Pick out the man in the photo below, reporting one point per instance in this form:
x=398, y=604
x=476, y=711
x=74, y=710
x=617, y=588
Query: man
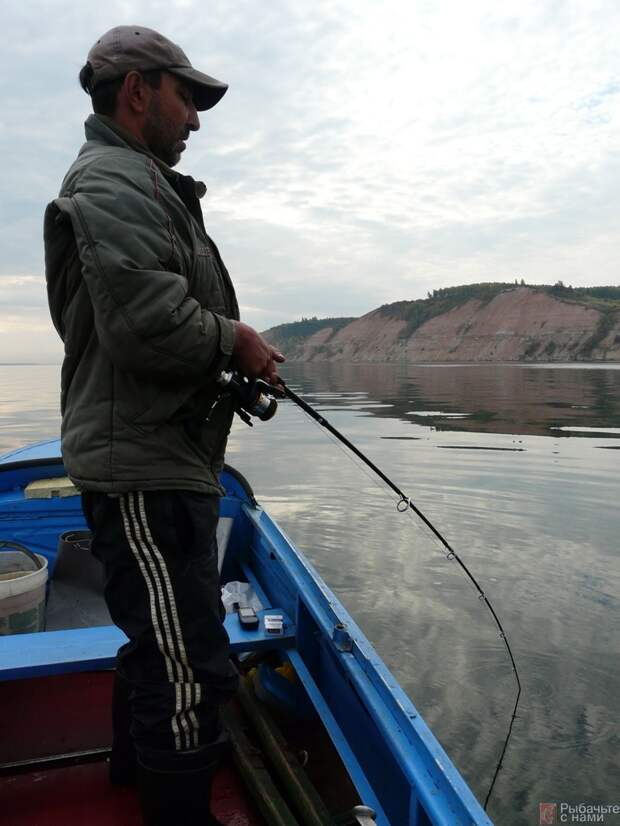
x=148, y=315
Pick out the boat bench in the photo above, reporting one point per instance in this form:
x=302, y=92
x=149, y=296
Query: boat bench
x=90, y=649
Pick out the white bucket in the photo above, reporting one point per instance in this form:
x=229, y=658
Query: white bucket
x=22, y=592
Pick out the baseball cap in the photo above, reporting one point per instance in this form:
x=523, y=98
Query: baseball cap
x=135, y=48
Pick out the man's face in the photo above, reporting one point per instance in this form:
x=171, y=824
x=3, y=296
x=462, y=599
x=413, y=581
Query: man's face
x=170, y=117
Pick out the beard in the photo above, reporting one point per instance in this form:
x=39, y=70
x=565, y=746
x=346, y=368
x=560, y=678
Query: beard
x=161, y=135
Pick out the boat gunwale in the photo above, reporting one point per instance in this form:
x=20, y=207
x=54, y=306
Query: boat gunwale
x=407, y=732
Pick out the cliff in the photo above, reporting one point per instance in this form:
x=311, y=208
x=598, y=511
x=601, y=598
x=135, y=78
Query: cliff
x=477, y=323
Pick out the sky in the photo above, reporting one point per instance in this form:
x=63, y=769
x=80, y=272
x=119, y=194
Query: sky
x=366, y=152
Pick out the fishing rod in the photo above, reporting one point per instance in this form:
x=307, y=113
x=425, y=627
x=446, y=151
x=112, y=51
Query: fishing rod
x=405, y=503
x=256, y=398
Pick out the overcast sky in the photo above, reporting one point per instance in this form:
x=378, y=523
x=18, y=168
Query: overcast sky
x=366, y=151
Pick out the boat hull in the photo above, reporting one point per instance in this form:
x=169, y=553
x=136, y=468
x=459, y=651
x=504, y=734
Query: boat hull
x=392, y=758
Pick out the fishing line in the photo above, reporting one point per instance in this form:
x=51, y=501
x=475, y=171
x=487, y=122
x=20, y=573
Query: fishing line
x=370, y=476
x=353, y=459
x=405, y=504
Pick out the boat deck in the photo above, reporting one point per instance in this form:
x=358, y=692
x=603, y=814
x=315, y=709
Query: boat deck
x=71, y=715
x=82, y=795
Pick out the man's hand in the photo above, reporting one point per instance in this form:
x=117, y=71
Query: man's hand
x=253, y=356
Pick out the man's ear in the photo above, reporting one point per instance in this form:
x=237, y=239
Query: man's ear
x=135, y=93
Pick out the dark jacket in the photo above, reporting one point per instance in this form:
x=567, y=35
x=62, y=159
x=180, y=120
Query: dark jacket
x=143, y=302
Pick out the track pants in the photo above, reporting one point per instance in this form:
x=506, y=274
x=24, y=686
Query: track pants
x=162, y=589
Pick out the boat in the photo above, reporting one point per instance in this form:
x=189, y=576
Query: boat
x=321, y=733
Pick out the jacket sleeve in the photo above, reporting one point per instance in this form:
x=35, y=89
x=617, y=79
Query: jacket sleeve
x=144, y=317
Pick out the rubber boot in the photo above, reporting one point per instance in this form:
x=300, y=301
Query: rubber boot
x=176, y=798
x=123, y=762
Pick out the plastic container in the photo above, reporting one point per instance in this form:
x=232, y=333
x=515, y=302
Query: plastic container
x=241, y=593
x=23, y=576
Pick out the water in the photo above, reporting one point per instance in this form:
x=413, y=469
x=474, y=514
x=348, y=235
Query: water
x=517, y=466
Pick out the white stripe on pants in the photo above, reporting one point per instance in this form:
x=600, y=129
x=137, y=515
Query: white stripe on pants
x=164, y=618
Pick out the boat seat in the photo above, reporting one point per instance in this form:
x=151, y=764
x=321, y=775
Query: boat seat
x=90, y=649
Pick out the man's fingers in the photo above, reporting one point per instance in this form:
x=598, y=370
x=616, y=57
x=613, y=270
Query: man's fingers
x=276, y=388
x=253, y=356
x=271, y=374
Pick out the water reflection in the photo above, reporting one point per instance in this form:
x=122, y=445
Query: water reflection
x=532, y=510
x=29, y=404
x=513, y=399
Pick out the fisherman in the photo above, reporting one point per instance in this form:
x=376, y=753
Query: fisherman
x=147, y=312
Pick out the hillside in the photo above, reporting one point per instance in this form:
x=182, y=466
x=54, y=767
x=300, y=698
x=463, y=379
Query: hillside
x=473, y=323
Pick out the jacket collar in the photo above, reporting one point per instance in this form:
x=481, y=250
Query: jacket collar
x=105, y=130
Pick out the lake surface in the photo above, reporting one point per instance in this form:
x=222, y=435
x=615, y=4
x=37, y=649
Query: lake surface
x=518, y=468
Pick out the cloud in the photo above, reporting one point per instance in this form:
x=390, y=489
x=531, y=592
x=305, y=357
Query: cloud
x=26, y=332
x=365, y=152
x=22, y=293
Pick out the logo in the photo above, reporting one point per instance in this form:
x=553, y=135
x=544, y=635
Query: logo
x=547, y=813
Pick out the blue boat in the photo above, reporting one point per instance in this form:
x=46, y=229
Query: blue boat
x=318, y=668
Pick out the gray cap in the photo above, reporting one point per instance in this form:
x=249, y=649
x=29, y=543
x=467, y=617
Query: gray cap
x=136, y=48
